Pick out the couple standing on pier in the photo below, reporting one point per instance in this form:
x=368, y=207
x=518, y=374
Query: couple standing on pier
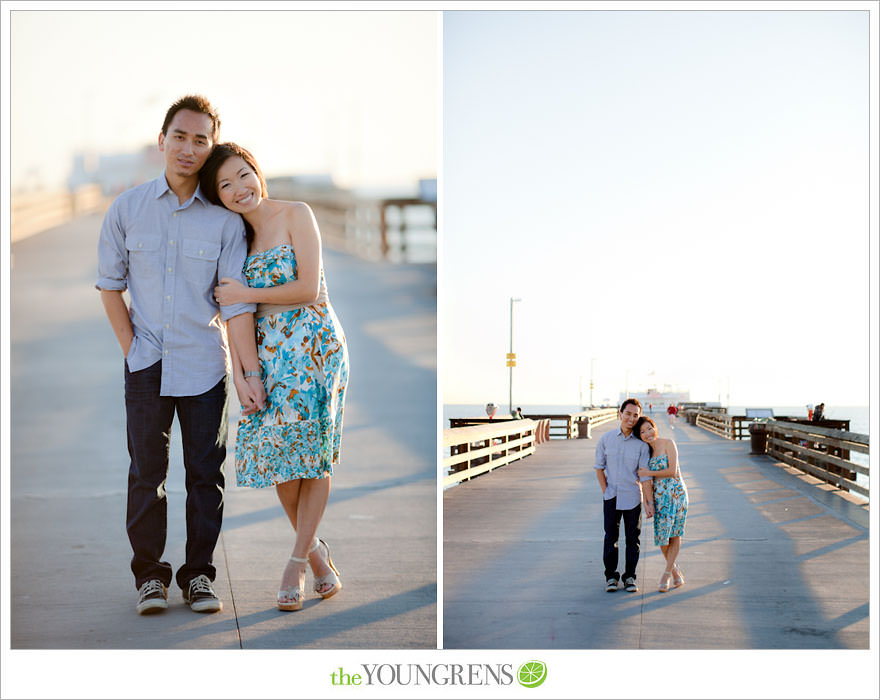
x=635, y=466
x=199, y=247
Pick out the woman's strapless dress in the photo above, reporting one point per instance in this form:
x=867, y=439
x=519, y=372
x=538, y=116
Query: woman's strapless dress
x=670, y=503
x=304, y=366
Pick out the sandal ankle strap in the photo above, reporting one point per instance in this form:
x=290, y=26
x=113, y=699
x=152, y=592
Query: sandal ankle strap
x=299, y=560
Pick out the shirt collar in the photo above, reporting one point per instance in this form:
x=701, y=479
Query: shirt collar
x=201, y=196
x=161, y=186
x=620, y=432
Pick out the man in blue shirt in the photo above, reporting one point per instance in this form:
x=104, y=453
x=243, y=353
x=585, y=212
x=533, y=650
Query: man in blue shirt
x=167, y=245
x=619, y=456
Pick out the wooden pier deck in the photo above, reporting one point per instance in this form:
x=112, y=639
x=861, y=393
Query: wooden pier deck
x=772, y=560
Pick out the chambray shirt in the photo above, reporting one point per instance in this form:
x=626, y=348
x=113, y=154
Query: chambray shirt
x=169, y=256
x=621, y=457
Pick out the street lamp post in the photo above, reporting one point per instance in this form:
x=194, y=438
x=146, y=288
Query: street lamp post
x=592, y=375
x=511, y=358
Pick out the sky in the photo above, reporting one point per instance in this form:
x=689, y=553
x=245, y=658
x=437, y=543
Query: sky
x=678, y=198
x=348, y=93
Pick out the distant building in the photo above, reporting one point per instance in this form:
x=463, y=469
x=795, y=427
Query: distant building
x=657, y=398
x=115, y=172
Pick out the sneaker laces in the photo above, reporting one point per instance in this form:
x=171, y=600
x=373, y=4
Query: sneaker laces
x=150, y=587
x=200, y=584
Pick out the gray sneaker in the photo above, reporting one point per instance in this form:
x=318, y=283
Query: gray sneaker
x=200, y=595
x=611, y=585
x=630, y=584
x=152, y=597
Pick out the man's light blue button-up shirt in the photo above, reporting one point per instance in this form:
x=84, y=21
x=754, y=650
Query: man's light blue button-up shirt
x=170, y=256
x=621, y=456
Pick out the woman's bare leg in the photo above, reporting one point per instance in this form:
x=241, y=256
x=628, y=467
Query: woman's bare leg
x=672, y=552
x=289, y=493
x=304, y=501
x=665, y=549
x=313, y=500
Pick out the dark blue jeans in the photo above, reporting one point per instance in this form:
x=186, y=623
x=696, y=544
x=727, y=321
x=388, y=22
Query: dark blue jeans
x=203, y=425
x=632, y=527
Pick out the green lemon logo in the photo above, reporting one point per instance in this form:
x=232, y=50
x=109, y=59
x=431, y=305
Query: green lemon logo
x=532, y=673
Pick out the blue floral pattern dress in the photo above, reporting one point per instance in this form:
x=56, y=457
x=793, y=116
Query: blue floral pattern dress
x=304, y=367
x=670, y=503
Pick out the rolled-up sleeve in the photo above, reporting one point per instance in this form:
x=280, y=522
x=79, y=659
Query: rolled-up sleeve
x=233, y=251
x=644, y=458
x=600, y=455
x=112, y=255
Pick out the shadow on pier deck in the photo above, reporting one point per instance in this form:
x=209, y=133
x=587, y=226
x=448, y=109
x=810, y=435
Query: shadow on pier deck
x=772, y=560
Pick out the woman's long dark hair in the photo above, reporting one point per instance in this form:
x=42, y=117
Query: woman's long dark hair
x=208, y=177
x=637, y=430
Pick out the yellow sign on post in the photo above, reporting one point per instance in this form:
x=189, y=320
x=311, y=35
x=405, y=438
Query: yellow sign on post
x=511, y=356
x=511, y=363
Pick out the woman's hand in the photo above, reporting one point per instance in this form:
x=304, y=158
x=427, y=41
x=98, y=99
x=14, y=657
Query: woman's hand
x=231, y=291
x=645, y=472
x=251, y=394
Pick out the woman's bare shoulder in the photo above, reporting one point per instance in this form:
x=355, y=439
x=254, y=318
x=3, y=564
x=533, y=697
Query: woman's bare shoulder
x=291, y=209
x=667, y=445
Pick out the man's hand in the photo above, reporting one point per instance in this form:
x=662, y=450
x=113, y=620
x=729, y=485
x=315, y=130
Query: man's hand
x=649, y=509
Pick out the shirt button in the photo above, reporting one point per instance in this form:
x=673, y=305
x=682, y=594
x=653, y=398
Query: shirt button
x=169, y=269
x=201, y=252
x=170, y=242
x=140, y=245
x=168, y=298
x=167, y=325
x=166, y=352
x=174, y=214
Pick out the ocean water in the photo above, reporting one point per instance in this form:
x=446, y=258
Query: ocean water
x=858, y=417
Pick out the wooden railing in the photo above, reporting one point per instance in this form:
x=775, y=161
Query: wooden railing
x=39, y=211
x=598, y=416
x=477, y=449
x=822, y=452
x=567, y=426
x=727, y=426
x=737, y=427
x=396, y=230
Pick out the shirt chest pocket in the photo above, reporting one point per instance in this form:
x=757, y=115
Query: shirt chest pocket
x=200, y=262
x=144, y=256
x=612, y=456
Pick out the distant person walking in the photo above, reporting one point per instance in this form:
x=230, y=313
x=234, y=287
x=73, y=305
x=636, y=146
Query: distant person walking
x=294, y=443
x=670, y=499
x=819, y=413
x=168, y=245
x=619, y=456
x=671, y=412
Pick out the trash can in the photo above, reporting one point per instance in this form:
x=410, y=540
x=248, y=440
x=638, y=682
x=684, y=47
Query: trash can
x=584, y=429
x=758, y=437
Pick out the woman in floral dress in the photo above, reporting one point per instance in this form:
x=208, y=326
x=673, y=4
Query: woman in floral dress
x=293, y=443
x=670, y=499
